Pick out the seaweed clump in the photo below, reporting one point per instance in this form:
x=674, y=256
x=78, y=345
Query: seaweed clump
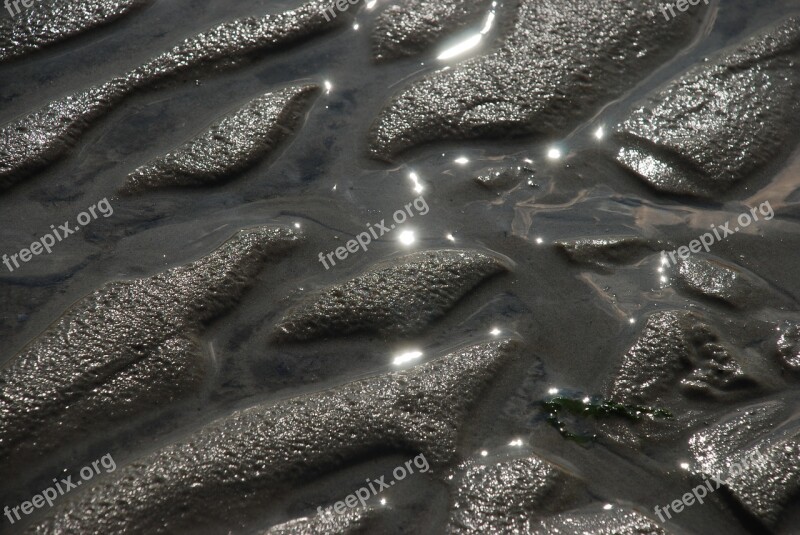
x=595, y=408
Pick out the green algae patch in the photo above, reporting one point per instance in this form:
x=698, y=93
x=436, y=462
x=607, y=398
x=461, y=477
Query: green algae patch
x=594, y=408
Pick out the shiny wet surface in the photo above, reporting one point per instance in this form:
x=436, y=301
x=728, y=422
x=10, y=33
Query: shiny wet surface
x=576, y=324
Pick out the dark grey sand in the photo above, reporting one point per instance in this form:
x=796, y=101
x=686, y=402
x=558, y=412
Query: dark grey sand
x=604, y=253
x=563, y=59
x=36, y=140
x=230, y=146
x=53, y=21
x=504, y=496
x=263, y=448
x=601, y=522
x=746, y=98
x=350, y=522
x=754, y=452
x=404, y=298
x=150, y=334
x=124, y=349
x=410, y=27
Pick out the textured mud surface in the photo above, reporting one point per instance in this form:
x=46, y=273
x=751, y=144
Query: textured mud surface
x=617, y=522
x=725, y=282
x=604, y=253
x=57, y=20
x=402, y=299
x=504, y=497
x=124, y=349
x=513, y=266
x=562, y=61
x=746, y=99
x=679, y=352
x=38, y=139
x=412, y=26
x=420, y=410
x=321, y=524
x=231, y=145
x=763, y=475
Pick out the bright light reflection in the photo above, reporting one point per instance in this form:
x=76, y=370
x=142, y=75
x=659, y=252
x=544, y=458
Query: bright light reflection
x=539, y=241
x=405, y=358
x=415, y=179
x=600, y=133
x=356, y=26
x=664, y=279
x=407, y=237
x=460, y=48
x=371, y=4
x=516, y=442
x=487, y=26
x=685, y=466
x=462, y=160
x=495, y=331
x=586, y=400
x=328, y=86
x=450, y=237
x=472, y=41
x=608, y=507
x=553, y=391
x=383, y=501
x=484, y=453
x=631, y=320
x=554, y=153
x=297, y=225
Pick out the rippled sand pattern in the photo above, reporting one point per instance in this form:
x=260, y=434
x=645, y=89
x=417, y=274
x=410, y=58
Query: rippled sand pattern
x=468, y=267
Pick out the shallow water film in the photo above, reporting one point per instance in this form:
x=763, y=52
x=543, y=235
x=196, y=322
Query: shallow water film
x=400, y=266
